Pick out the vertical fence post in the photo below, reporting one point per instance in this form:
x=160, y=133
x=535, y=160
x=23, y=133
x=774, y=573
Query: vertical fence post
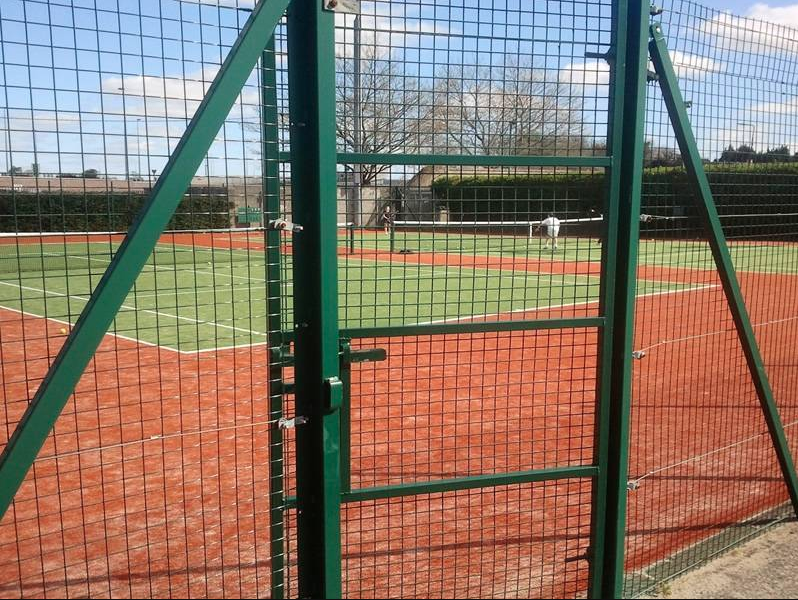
x=677, y=111
x=270, y=168
x=628, y=58
x=311, y=47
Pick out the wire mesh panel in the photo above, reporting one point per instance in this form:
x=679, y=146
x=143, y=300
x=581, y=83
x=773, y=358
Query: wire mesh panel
x=704, y=473
x=155, y=481
x=474, y=268
x=531, y=542
x=460, y=241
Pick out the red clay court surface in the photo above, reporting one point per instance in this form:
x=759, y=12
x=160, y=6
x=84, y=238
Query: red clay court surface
x=176, y=501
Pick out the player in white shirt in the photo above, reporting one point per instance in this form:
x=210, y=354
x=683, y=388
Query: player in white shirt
x=551, y=230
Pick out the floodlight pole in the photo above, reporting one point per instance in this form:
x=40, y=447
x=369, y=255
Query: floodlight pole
x=357, y=129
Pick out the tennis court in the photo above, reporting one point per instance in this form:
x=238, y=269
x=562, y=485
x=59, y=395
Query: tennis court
x=196, y=291
x=191, y=313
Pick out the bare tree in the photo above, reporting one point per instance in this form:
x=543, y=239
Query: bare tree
x=392, y=107
x=506, y=110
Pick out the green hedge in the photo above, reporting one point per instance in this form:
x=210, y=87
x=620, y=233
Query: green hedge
x=53, y=212
x=517, y=198
x=739, y=189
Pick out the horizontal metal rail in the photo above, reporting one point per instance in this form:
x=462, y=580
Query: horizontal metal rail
x=472, y=327
x=356, y=158
x=464, y=483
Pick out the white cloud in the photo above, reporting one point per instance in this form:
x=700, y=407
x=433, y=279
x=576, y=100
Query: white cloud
x=788, y=107
x=692, y=66
x=597, y=73
x=592, y=73
x=755, y=33
x=783, y=15
x=381, y=35
x=171, y=97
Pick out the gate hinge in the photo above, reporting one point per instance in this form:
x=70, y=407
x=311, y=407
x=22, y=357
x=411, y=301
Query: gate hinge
x=282, y=356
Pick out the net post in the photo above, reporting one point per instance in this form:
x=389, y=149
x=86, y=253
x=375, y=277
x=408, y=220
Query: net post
x=628, y=65
x=392, y=238
x=318, y=391
x=677, y=112
x=351, y=236
x=106, y=300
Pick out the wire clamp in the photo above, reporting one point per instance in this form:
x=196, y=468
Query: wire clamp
x=285, y=423
x=638, y=354
x=344, y=6
x=633, y=486
x=655, y=10
x=283, y=225
x=652, y=76
x=644, y=218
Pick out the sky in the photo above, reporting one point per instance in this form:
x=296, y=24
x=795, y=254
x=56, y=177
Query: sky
x=111, y=84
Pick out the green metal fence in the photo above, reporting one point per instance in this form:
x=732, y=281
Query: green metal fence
x=483, y=335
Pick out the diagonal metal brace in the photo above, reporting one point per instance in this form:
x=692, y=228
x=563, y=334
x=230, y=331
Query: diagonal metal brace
x=98, y=314
x=674, y=101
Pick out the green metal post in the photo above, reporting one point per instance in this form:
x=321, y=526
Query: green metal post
x=311, y=46
x=625, y=138
x=270, y=168
x=346, y=416
x=677, y=111
x=392, y=238
x=116, y=283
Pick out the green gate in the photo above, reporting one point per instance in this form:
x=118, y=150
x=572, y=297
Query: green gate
x=424, y=360
x=448, y=397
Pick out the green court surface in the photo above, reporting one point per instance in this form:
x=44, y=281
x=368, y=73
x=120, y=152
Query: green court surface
x=194, y=299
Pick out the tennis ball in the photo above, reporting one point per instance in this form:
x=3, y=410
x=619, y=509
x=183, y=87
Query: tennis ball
x=63, y=331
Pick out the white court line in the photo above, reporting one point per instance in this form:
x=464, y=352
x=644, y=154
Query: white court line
x=135, y=309
x=265, y=334
x=172, y=269
x=70, y=325
x=715, y=333
x=488, y=271
x=554, y=306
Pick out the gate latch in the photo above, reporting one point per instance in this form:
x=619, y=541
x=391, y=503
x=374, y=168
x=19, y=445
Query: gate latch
x=349, y=356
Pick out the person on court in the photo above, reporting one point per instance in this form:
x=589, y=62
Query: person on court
x=551, y=230
x=386, y=219
x=595, y=214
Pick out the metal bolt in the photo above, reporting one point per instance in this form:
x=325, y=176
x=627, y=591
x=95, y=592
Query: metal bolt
x=332, y=3
x=638, y=354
